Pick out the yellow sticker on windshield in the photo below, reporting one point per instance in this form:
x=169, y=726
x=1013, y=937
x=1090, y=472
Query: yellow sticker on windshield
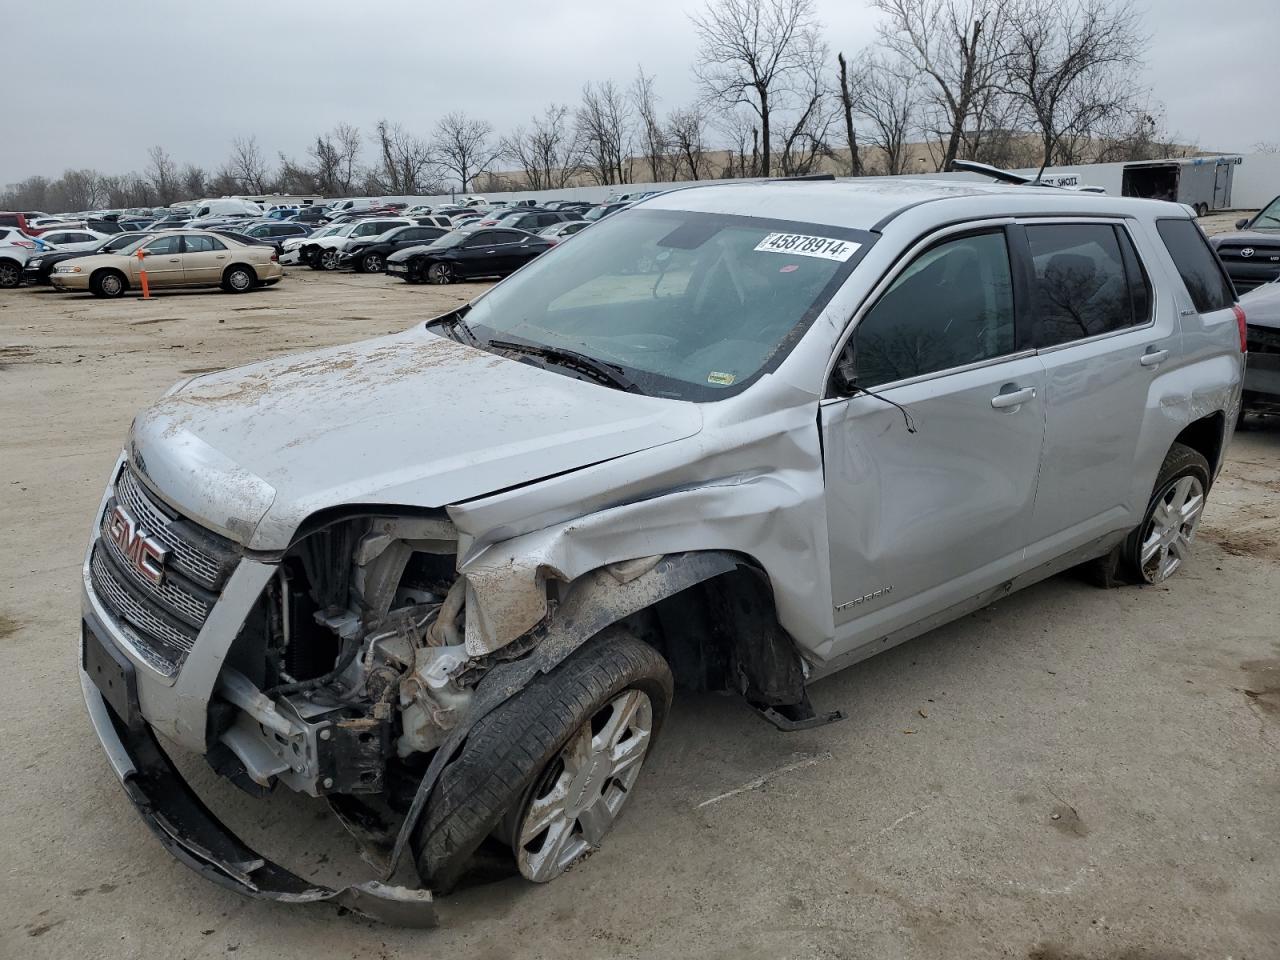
x=723, y=379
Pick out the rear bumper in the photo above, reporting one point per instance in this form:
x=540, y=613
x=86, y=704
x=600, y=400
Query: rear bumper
x=1262, y=380
x=196, y=837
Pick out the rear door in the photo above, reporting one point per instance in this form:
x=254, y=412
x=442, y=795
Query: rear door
x=204, y=259
x=1104, y=347
x=920, y=521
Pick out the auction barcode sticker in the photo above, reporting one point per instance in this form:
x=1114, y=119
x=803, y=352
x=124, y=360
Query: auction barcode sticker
x=826, y=248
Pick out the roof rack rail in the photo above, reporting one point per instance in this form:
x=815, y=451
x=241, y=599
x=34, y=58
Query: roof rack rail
x=806, y=176
x=1004, y=176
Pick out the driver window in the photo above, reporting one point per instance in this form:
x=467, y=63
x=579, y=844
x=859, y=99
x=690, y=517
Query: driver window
x=951, y=307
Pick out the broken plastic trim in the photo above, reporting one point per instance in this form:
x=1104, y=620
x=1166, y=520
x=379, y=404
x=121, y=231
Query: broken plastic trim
x=196, y=837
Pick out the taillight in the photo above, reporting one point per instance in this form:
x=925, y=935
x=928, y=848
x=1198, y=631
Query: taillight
x=24, y=243
x=275, y=257
x=1244, y=332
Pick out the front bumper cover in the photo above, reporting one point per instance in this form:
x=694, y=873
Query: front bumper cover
x=195, y=836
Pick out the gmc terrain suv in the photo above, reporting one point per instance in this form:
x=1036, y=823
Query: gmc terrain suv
x=748, y=435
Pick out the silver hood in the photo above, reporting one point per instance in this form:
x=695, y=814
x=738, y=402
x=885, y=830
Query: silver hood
x=412, y=419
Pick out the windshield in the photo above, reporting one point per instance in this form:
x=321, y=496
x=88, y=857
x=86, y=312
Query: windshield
x=689, y=305
x=1269, y=217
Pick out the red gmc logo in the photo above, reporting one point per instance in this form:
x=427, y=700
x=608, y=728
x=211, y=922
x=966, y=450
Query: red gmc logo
x=143, y=551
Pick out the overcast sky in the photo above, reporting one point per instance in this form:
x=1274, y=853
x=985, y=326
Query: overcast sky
x=199, y=74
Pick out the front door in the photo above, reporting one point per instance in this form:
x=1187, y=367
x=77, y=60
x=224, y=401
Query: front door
x=919, y=521
x=1102, y=348
x=163, y=262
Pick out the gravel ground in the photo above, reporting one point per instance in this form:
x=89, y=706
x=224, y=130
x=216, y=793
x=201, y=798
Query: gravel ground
x=1071, y=773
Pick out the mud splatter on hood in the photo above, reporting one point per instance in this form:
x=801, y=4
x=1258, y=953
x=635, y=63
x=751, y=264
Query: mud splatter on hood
x=413, y=419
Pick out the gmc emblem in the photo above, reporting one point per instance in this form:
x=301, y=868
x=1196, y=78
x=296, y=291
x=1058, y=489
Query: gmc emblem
x=143, y=551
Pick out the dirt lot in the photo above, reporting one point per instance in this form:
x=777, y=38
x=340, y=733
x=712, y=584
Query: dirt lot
x=1069, y=774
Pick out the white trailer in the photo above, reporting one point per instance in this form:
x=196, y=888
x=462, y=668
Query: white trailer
x=1200, y=182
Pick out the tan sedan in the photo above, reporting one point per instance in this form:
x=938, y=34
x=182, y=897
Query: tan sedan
x=180, y=258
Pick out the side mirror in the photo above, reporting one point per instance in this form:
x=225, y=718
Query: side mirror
x=845, y=377
x=1241, y=224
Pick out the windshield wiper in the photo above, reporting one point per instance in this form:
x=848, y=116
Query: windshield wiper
x=457, y=327
x=608, y=374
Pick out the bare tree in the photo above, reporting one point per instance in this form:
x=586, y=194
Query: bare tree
x=163, y=174
x=686, y=133
x=958, y=46
x=750, y=54
x=194, y=181
x=602, y=126
x=546, y=152
x=653, y=135
x=335, y=158
x=247, y=165
x=805, y=136
x=1071, y=64
x=743, y=137
x=886, y=96
x=461, y=145
x=846, y=106
x=405, y=163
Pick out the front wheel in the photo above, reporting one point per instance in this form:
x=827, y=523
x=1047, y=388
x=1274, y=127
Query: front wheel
x=440, y=273
x=327, y=260
x=550, y=769
x=371, y=263
x=109, y=283
x=10, y=275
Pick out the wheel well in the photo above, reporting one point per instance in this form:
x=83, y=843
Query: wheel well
x=723, y=634
x=247, y=266
x=104, y=270
x=1205, y=437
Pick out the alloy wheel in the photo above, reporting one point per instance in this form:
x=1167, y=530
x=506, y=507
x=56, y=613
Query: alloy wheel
x=239, y=281
x=1166, y=542
x=583, y=789
x=439, y=273
x=9, y=275
x=111, y=285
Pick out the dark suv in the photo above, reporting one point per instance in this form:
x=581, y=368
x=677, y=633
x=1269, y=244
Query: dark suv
x=1252, y=254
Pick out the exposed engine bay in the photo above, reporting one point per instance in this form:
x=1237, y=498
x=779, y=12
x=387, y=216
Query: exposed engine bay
x=347, y=673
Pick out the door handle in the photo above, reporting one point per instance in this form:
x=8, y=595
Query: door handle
x=174, y=260
x=1154, y=358
x=221, y=256
x=1002, y=401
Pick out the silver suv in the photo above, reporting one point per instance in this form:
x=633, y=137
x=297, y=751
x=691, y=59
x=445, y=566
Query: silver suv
x=746, y=435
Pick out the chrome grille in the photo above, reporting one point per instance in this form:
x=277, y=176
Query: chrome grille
x=162, y=619
x=161, y=636
x=181, y=599
x=189, y=558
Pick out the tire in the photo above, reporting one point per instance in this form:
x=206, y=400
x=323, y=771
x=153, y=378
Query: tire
x=10, y=274
x=108, y=283
x=371, y=263
x=511, y=755
x=238, y=278
x=327, y=259
x=440, y=273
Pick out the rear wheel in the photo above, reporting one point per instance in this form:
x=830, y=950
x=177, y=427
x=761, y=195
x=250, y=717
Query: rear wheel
x=238, y=279
x=440, y=273
x=108, y=283
x=550, y=770
x=1162, y=543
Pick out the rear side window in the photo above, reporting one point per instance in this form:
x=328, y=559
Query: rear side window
x=1206, y=281
x=1088, y=282
x=8, y=220
x=951, y=307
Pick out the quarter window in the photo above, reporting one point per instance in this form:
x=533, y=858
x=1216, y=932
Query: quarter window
x=951, y=307
x=1082, y=287
x=1200, y=270
x=203, y=244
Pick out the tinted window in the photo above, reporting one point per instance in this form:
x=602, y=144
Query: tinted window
x=1197, y=264
x=953, y=306
x=485, y=238
x=163, y=245
x=8, y=219
x=507, y=236
x=1081, y=288
x=203, y=244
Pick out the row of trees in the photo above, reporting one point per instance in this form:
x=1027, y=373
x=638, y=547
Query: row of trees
x=1009, y=82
